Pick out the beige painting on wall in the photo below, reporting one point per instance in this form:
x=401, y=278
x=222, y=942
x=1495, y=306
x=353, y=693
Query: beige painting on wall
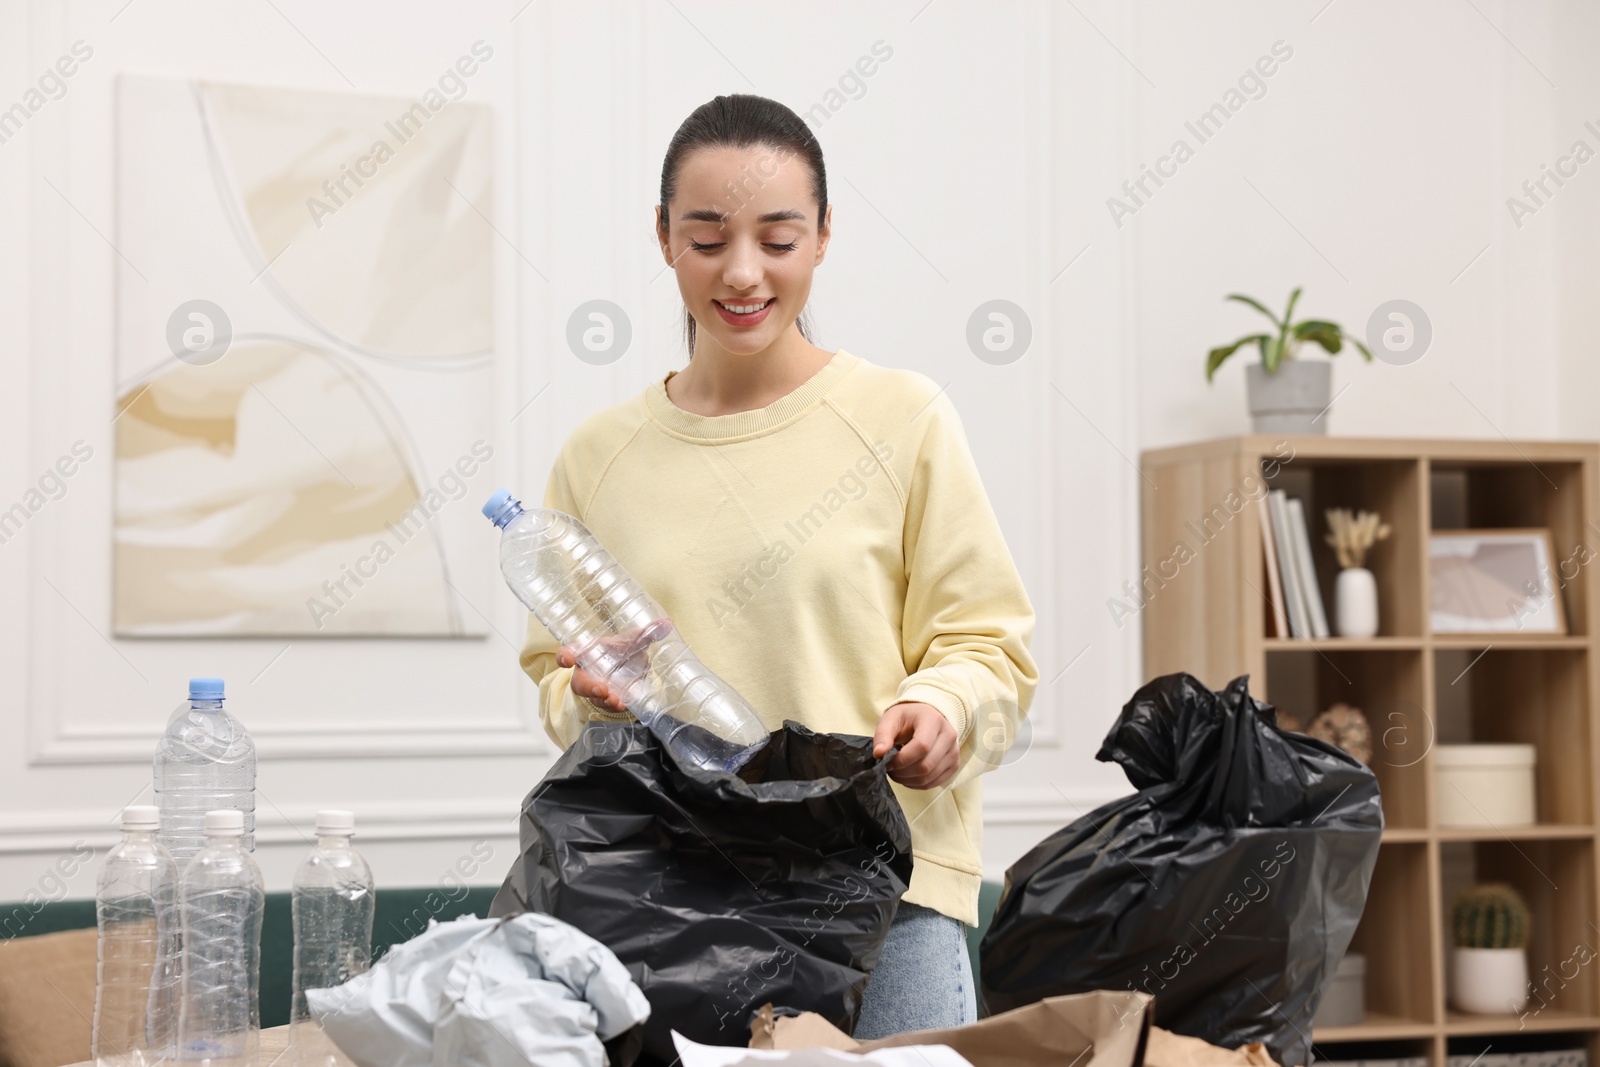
x=305, y=352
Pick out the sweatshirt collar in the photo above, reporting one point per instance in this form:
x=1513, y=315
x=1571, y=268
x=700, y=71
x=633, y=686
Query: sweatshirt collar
x=713, y=429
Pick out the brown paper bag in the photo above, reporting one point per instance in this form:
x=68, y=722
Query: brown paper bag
x=1100, y=1029
x=1104, y=1028
x=1167, y=1049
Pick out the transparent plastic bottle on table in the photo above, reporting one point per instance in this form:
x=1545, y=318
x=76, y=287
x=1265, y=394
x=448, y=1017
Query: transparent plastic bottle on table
x=219, y=1008
x=585, y=598
x=333, y=909
x=205, y=762
x=135, y=1012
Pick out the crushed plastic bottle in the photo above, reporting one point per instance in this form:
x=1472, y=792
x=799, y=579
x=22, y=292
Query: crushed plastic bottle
x=333, y=910
x=584, y=597
x=219, y=1015
x=135, y=1013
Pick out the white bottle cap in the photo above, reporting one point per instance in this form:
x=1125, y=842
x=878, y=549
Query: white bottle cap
x=141, y=817
x=225, y=822
x=335, y=822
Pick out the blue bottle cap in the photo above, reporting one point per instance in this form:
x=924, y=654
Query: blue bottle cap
x=205, y=688
x=496, y=510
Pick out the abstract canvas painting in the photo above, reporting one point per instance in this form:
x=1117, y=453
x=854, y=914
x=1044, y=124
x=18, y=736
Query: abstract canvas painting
x=304, y=361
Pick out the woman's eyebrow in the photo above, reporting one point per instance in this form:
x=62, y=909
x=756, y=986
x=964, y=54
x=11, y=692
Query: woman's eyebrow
x=716, y=215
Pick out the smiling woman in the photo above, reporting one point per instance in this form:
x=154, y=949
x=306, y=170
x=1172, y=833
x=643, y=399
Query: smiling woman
x=900, y=617
x=729, y=154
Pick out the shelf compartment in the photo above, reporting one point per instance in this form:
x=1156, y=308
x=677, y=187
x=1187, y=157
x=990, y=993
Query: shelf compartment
x=1529, y=696
x=1568, y=1046
x=1392, y=488
x=1393, y=935
x=1556, y=878
x=1516, y=494
x=1382, y=1047
x=1388, y=687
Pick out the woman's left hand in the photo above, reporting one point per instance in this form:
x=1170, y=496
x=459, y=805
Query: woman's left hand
x=928, y=755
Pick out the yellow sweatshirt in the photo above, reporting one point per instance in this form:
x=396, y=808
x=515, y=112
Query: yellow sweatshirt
x=827, y=555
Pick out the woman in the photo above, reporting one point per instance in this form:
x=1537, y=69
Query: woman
x=816, y=528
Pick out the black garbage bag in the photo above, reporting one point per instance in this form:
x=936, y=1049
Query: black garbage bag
x=1228, y=887
x=719, y=892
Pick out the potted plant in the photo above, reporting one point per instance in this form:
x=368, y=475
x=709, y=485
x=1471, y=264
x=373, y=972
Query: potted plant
x=1489, y=968
x=1287, y=395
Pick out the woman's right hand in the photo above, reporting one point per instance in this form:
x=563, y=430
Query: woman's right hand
x=585, y=684
x=631, y=646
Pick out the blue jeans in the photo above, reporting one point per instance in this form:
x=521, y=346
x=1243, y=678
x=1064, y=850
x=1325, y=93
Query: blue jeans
x=923, y=980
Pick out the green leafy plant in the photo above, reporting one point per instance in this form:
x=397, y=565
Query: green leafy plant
x=1285, y=341
x=1490, y=916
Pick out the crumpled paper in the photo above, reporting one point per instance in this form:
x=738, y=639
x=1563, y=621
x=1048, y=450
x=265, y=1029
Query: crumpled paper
x=484, y=993
x=694, y=1054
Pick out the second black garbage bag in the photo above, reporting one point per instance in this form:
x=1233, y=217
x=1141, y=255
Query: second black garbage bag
x=1228, y=886
x=719, y=892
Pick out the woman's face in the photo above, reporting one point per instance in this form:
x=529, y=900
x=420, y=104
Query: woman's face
x=744, y=239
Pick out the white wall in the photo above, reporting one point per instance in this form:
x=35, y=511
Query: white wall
x=1376, y=167
x=1572, y=221
x=975, y=165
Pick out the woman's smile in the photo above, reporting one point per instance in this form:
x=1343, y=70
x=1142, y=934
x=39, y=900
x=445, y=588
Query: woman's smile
x=744, y=313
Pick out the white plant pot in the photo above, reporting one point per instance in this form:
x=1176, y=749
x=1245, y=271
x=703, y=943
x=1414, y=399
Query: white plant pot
x=1355, y=597
x=1489, y=981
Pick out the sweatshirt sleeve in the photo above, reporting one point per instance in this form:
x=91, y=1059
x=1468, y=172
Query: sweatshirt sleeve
x=562, y=711
x=968, y=621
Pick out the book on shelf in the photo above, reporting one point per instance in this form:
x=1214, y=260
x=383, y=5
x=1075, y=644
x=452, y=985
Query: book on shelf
x=1306, y=567
x=1280, y=619
x=1293, y=602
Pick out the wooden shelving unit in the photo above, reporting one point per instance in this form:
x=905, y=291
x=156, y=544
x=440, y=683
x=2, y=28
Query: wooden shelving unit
x=1209, y=615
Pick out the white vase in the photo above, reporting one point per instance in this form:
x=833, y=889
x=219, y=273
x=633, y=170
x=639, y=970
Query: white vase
x=1355, y=596
x=1489, y=981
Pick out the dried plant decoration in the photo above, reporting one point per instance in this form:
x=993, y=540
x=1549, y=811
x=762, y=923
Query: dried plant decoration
x=1352, y=536
x=1344, y=725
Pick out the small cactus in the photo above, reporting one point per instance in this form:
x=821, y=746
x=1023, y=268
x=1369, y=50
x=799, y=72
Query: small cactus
x=1490, y=916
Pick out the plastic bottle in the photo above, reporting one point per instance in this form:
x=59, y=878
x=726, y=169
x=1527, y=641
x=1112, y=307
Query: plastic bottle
x=585, y=598
x=205, y=762
x=219, y=1015
x=134, y=1006
x=333, y=908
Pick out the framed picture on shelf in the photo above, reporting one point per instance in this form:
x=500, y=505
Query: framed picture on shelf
x=1494, y=582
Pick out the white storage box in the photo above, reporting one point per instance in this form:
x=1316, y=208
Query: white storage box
x=1344, y=1002
x=1484, y=785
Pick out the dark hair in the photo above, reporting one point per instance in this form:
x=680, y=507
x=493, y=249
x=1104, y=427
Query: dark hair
x=742, y=120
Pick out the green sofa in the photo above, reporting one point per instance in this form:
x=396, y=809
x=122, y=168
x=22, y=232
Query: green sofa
x=400, y=915
x=988, y=898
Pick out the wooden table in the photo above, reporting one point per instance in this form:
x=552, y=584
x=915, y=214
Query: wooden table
x=274, y=1043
